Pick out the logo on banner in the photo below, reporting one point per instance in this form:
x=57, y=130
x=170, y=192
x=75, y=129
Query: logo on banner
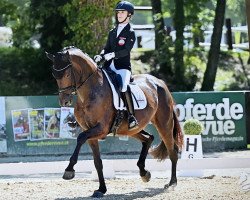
x=219, y=118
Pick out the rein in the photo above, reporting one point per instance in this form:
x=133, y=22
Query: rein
x=74, y=88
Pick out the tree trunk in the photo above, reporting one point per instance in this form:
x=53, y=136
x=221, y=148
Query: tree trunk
x=214, y=52
x=163, y=55
x=248, y=25
x=158, y=22
x=1, y=21
x=179, y=24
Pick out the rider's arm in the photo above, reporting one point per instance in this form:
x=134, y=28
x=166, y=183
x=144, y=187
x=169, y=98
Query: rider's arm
x=107, y=47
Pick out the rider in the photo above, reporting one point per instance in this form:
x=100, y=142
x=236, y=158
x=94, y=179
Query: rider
x=117, y=54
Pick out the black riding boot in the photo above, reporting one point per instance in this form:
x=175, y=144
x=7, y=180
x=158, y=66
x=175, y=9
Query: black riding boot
x=127, y=99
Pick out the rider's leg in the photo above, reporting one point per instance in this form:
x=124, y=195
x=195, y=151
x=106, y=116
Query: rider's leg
x=128, y=101
x=127, y=98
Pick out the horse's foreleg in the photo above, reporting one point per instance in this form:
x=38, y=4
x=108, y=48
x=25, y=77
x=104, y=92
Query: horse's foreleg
x=69, y=171
x=99, y=168
x=146, y=140
x=81, y=139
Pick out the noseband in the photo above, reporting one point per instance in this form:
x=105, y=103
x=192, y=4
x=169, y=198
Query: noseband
x=73, y=88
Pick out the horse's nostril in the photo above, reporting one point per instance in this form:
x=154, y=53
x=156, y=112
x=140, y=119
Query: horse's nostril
x=67, y=103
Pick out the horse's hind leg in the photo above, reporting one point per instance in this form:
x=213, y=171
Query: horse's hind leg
x=164, y=123
x=99, y=168
x=146, y=140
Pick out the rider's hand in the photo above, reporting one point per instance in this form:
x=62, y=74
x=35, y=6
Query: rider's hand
x=109, y=56
x=97, y=58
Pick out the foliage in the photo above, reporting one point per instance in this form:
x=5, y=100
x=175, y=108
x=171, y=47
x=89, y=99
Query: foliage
x=25, y=72
x=141, y=2
x=7, y=12
x=88, y=23
x=24, y=27
x=236, y=11
x=50, y=23
x=193, y=127
x=194, y=61
x=85, y=24
x=56, y=24
x=40, y=20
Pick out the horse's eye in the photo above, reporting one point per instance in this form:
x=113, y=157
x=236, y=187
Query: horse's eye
x=67, y=75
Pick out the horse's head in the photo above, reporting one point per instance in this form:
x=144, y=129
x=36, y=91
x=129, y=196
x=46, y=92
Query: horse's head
x=71, y=69
x=62, y=72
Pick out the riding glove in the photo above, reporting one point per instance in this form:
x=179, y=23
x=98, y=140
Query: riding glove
x=109, y=56
x=97, y=58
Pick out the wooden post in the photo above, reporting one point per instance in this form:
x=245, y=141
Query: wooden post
x=248, y=25
x=229, y=34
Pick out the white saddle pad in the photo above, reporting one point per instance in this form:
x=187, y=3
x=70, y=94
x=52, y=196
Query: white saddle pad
x=139, y=99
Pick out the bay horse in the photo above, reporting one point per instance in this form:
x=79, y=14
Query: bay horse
x=76, y=73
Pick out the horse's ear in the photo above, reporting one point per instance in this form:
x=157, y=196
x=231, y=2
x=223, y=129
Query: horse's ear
x=67, y=55
x=50, y=56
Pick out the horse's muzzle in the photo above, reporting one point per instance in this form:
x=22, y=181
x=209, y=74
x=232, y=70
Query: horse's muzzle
x=65, y=100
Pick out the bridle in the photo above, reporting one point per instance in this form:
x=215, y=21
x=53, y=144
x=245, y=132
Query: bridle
x=73, y=88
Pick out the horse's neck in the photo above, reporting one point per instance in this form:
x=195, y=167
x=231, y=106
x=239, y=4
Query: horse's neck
x=84, y=63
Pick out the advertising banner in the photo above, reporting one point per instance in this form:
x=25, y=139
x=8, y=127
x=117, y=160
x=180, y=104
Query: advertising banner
x=33, y=124
x=222, y=114
x=37, y=125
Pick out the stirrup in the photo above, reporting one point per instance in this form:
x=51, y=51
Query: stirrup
x=132, y=123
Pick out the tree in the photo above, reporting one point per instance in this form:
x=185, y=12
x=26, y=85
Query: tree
x=51, y=23
x=88, y=23
x=196, y=14
x=162, y=42
x=56, y=24
x=158, y=22
x=40, y=20
x=179, y=23
x=213, y=56
x=7, y=12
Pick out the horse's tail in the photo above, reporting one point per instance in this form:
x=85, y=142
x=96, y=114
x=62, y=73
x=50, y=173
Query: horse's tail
x=178, y=135
x=160, y=152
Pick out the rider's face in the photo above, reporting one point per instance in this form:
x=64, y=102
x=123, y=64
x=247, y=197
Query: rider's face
x=121, y=16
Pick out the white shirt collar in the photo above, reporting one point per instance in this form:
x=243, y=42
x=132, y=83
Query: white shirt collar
x=122, y=25
x=120, y=28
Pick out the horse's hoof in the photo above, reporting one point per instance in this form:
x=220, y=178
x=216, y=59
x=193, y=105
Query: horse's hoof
x=68, y=175
x=169, y=187
x=147, y=177
x=97, y=194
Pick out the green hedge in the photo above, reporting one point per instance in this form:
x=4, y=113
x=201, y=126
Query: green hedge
x=25, y=72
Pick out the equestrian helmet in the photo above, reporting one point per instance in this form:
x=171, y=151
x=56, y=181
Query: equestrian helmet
x=125, y=5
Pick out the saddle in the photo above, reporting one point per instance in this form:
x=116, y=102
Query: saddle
x=139, y=99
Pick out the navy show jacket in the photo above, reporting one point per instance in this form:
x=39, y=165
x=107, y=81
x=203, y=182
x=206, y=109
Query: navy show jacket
x=121, y=46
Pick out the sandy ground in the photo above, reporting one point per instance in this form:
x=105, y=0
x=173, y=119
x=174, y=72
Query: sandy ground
x=214, y=184
x=127, y=187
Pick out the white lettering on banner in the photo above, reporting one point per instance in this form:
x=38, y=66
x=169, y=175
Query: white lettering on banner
x=218, y=118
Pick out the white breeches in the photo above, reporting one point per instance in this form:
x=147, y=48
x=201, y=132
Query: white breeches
x=124, y=73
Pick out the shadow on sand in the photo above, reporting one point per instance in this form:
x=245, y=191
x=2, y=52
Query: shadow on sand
x=151, y=192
